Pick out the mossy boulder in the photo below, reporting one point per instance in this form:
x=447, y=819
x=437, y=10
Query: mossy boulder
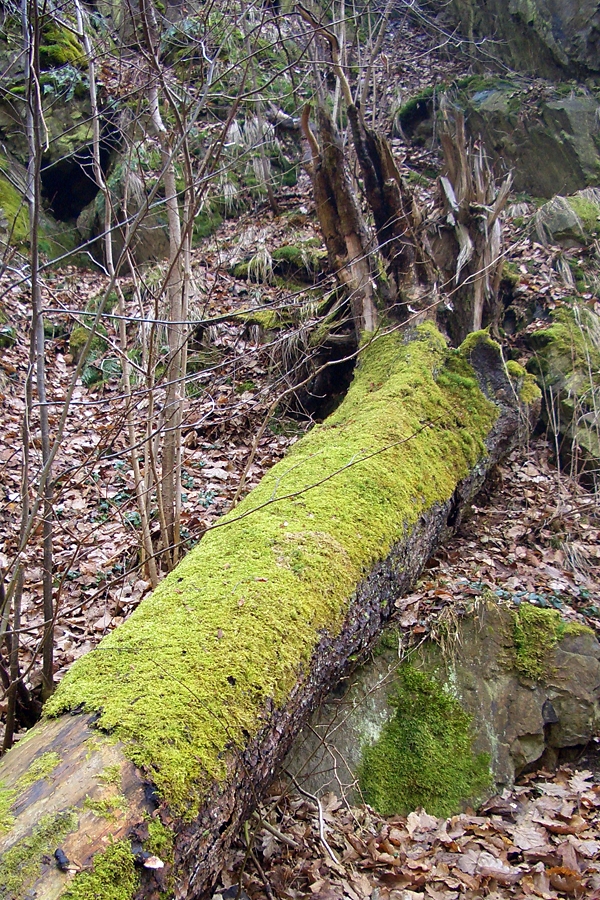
x=548, y=138
x=150, y=242
x=301, y=261
x=14, y=215
x=570, y=221
x=59, y=46
x=424, y=755
x=552, y=38
x=78, y=340
x=505, y=685
x=567, y=365
x=548, y=141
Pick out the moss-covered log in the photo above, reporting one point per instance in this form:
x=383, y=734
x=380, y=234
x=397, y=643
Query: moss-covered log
x=162, y=740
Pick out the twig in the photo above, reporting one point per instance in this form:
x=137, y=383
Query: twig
x=317, y=802
x=275, y=832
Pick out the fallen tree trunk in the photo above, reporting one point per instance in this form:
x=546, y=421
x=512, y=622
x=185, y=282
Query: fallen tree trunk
x=158, y=744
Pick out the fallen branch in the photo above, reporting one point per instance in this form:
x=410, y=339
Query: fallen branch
x=159, y=744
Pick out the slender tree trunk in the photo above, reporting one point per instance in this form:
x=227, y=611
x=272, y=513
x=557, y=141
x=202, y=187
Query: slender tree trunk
x=34, y=123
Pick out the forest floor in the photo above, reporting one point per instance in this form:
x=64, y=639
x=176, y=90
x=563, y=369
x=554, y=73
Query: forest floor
x=534, y=534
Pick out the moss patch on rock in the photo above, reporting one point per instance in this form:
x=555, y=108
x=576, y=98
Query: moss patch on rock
x=424, y=755
x=567, y=366
x=78, y=340
x=536, y=633
x=188, y=678
x=60, y=47
x=113, y=877
x=526, y=386
x=20, y=865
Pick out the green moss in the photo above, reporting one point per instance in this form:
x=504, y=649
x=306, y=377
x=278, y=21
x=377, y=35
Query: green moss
x=240, y=270
x=424, y=756
x=111, y=775
x=41, y=767
x=20, y=865
x=568, y=352
x=187, y=679
x=7, y=798
x=161, y=840
x=515, y=369
x=161, y=843
x=267, y=319
x=60, y=47
x=587, y=212
x=302, y=257
x=536, y=634
x=474, y=340
x=13, y=210
x=203, y=359
x=112, y=878
x=526, y=385
x=78, y=340
x=510, y=273
x=416, y=106
x=205, y=224
x=107, y=807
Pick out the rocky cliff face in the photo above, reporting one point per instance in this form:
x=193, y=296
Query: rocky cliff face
x=547, y=37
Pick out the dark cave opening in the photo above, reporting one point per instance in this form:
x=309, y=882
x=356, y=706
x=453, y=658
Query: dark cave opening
x=68, y=184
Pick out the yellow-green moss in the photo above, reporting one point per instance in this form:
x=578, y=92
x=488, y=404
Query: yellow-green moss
x=587, y=212
x=107, y=807
x=60, y=47
x=527, y=387
x=112, y=878
x=161, y=840
x=568, y=349
x=78, y=340
x=7, y=798
x=39, y=768
x=111, y=775
x=424, y=755
x=510, y=273
x=161, y=843
x=20, y=865
x=188, y=677
x=14, y=210
x=536, y=634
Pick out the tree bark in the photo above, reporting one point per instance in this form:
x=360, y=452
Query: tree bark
x=181, y=717
x=467, y=240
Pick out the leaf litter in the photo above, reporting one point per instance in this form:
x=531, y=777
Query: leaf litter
x=540, y=839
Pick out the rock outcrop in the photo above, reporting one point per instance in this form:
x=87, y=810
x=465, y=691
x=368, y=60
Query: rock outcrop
x=545, y=37
x=525, y=681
